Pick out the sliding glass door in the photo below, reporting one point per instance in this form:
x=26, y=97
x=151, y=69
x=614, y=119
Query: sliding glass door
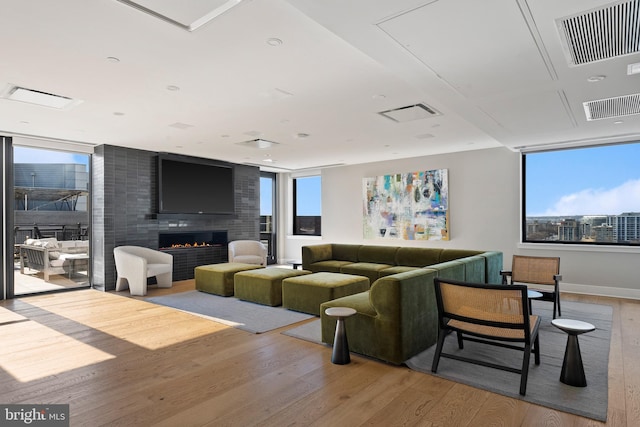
x=51, y=220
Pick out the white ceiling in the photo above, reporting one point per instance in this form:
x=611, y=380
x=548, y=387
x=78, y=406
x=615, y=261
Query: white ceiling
x=495, y=70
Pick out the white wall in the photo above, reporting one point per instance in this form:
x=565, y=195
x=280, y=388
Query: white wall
x=484, y=203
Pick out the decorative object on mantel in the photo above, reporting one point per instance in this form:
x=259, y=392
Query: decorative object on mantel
x=409, y=206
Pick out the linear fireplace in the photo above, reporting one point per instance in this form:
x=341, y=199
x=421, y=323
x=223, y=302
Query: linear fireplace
x=193, y=248
x=187, y=239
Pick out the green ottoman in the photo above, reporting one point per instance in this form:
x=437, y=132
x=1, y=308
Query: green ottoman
x=218, y=278
x=263, y=286
x=306, y=293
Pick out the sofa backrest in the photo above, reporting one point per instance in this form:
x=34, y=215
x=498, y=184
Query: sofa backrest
x=407, y=313
x=378, y=254
x=417, y=257
x=344, y=252
x=451, y=254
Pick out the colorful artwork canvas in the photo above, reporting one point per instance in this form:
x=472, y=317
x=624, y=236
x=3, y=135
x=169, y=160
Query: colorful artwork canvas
x=409, y=206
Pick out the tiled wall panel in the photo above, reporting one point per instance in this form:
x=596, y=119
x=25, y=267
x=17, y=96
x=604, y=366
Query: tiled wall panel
x=125, y=205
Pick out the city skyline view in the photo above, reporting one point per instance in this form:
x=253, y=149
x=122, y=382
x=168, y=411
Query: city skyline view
x=602, y=180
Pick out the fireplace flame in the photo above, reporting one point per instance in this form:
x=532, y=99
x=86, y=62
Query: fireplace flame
x=190, y=245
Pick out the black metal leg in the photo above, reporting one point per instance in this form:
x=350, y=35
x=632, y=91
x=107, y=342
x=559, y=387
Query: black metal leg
x=340, y=355
x=572, y=368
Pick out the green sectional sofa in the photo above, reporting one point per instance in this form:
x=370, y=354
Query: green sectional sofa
x=397, y=317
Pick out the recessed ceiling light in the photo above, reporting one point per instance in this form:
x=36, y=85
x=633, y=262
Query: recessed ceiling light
x=302, y=135
x=258, y=143
x=113, y=59
x=633, y=68
x=594, y=79
x=173, y=88
x=380, y=96
x=274, y=41
x=268, y=160
x=618, y=122
x=118, y=113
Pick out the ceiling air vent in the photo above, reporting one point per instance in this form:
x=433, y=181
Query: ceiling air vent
x=410, y=112
x=609, y=108
x=44, y=99
x=602, y=33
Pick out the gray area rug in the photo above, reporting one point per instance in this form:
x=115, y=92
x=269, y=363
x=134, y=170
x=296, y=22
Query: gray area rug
x=255, y=318
x=544, y=386
x=309, y=332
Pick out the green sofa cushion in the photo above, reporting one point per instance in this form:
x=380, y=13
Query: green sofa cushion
x=306, y=293
x=366, y=269
x=451, y=254
x=331, y=266
x=378, y=254
x=493, y=263
x=474, y=269
x=453, y=270
x=345, y=252
x=417, y=257
x=395, y=270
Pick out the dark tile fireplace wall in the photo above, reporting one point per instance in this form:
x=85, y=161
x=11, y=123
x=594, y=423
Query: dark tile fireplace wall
x=124, y=207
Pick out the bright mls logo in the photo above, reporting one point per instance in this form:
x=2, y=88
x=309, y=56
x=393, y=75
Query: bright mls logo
x=34, y=415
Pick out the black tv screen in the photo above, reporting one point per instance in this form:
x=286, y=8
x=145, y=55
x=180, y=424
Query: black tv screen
x=193, y=186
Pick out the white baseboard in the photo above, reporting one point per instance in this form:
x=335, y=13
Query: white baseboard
x=605, y=291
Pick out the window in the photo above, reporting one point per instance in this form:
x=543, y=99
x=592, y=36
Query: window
x=307, y=206
x=586, y=195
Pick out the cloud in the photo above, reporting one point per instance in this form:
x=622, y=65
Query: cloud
x=614, y=201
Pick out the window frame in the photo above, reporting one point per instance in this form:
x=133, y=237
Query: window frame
x=296, y=221
x=560, y=244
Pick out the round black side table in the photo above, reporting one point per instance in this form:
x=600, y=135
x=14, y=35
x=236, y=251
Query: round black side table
x=340, y=355
x=572, y=369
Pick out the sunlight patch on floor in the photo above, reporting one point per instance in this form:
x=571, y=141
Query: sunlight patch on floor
x=26, y=361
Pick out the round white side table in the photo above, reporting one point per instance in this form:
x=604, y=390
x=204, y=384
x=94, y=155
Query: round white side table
x=572, y=369
x=340, y=355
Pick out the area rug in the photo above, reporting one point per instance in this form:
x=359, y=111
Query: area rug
x=544, y=386
x=310, y=331
x=254, y=318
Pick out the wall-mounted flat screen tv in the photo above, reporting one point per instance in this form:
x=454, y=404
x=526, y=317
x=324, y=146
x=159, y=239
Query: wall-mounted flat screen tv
x=194, y=186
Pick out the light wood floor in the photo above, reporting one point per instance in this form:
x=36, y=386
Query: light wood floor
x=120, y=361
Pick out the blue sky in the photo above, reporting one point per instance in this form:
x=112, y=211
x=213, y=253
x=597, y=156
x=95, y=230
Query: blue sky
x=309, y=196
x=36, y=155
x=599, y=180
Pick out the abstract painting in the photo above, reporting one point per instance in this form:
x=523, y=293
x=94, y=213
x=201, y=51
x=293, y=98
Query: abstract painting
x=409, y=206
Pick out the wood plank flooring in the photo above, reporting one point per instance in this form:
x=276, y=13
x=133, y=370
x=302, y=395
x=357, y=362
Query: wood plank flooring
x=120, y=361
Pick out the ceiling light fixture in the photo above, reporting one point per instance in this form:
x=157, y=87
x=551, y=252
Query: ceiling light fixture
x=595, y=79
x=258, y=143
x=633, y=68
x=173, y=88
x=273, y=41
x=113, y=59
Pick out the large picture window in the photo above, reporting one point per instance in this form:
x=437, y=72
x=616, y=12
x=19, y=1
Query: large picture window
x=307, y=205
x=582, y=195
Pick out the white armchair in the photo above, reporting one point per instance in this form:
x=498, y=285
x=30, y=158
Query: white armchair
x=248, y=252
x=134, y=264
